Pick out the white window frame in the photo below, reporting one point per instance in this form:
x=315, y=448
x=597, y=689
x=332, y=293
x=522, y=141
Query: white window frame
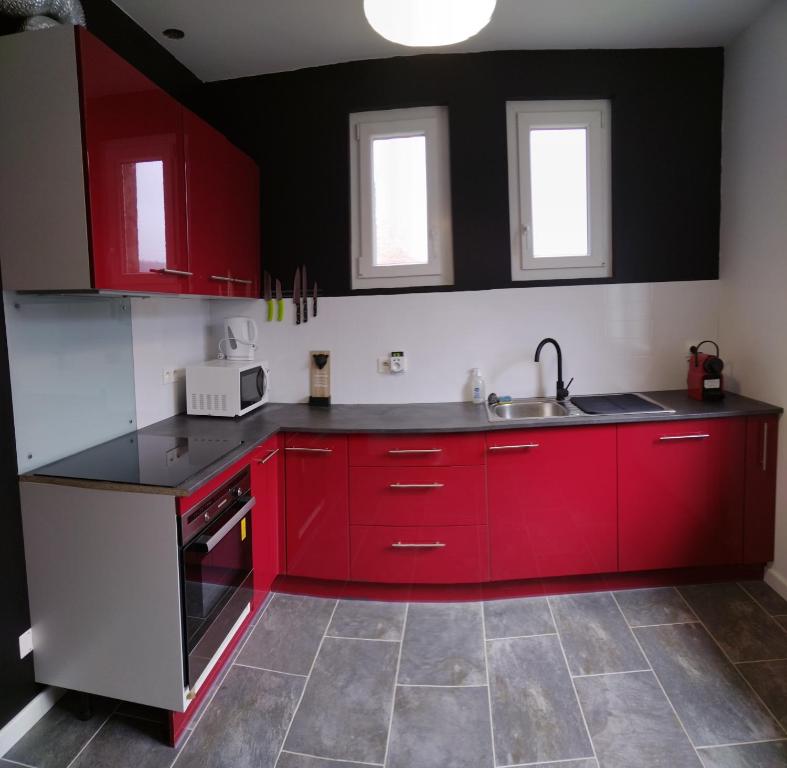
x=365, y=127
x=595, y=117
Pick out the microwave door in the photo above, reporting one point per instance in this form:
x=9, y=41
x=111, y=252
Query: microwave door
x=252, y=387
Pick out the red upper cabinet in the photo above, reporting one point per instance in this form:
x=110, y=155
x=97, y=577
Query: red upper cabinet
x=760, y=504
x=681, y=488
x=552, y=502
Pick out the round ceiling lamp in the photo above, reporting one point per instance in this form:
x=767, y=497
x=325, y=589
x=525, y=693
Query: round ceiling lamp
x=428, y=23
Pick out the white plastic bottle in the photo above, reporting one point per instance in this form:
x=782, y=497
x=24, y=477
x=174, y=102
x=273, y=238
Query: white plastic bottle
x=478, y=386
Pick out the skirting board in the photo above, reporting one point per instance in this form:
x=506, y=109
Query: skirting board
x=775, y=580
x=25, y=719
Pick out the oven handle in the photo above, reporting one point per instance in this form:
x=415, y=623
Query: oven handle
x=210, y=544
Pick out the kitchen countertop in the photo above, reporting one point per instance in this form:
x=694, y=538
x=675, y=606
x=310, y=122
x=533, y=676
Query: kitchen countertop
x=254, y=428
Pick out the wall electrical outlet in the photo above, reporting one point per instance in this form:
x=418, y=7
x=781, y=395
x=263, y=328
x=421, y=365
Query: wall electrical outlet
x=25, y=643
x=383, y=365
x=171, y=375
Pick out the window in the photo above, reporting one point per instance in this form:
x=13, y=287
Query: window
x=401, y=205
x=559, y=189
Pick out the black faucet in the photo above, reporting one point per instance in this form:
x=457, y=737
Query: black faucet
x=562, y=391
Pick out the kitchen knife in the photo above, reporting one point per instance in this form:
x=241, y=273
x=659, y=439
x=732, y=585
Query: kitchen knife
x=279, y=302
x=296, y=295
x=314, y=300
x=266, y=294
x=305, y=295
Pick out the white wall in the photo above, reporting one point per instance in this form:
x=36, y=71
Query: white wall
x=614, y=338
x=754, y=228
x=168, y=333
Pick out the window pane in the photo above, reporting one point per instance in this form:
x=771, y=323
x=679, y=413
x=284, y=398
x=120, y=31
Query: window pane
x=400, y=215
x=558, y=185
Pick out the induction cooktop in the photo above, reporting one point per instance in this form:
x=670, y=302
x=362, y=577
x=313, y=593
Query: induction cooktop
x=142, y=459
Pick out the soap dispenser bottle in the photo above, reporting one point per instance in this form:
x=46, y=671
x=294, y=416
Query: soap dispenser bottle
x=478, y=386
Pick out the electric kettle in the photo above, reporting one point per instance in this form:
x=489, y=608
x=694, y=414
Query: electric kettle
x=240, y=337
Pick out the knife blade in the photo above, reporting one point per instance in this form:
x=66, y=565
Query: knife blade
x=279, y=302
x=266, y=294
x=305, y=295
x=296, y=295
x=314, y=300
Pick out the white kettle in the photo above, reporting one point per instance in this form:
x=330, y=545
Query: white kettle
x=240, y=337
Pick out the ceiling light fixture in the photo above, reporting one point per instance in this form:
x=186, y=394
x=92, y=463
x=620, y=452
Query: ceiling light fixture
x=428, y=23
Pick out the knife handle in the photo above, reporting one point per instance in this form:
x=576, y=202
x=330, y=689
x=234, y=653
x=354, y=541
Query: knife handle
x=270, y=309
x=314, y=307
x=297, y=313
x=305, y=309
x=280, y=310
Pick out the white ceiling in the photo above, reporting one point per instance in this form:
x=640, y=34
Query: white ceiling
x=251, y=37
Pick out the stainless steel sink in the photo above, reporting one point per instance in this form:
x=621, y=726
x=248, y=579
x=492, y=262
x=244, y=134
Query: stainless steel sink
x=531, y=408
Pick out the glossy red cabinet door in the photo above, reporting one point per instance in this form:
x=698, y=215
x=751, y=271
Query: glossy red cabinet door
x=681, y=490
x=265, y=466
x=552, y=502
x=223, y=213
x=318, y=535
x=135, y=173
x=762, y=437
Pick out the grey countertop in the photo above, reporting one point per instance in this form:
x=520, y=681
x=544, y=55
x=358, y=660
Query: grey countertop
x=254, y=428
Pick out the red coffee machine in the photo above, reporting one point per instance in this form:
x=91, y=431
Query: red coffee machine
x=705, y=381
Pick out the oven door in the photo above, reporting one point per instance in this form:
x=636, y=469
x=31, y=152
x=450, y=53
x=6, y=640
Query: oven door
x=253, y=386
x=217, y=580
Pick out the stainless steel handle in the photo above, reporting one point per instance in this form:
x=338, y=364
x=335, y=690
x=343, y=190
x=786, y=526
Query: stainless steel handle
x=222, y=278
x=210, y=544
x=268, y=457
x=764, y=462
x=409, y=545
x=309, y=450
x=168, y=271
x=404, y=451
x=241, y=281
x=667, y=438
x=513, y=447
x=416, y=485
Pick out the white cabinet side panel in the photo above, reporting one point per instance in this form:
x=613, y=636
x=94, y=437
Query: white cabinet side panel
x=104, y=587
x=43, y=221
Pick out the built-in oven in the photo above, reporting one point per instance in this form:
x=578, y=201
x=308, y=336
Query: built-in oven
x=216, y=568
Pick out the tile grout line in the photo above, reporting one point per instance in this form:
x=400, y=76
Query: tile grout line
x=573, y=684
x=756, y=661
x=306, y=683
x=771, y=616
x=267, y=669
x=664, y=624
x=608, y=674
x=15, y=762
x=734, y=666
x=396, y=684
x=98, y=730
x=549, y=762
x=332, y=759
x=519, y=637
x=742, y=743
x=433, y=685
x=488, y=685
x=366, y=640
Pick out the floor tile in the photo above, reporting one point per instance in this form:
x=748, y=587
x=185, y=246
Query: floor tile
x=642, y=607
x=246, y=722
x=589, y=763
x=440, y=727
x=767, y=597
x=769, y=680
x=286, y=638
x=714, y=703
x=595, y=635
x=346, y=708
x=57, y=737
x=632, y=724
x=368, y=619
x=782, y=620
x=741, y=627
x=518, y=617
x=126, y=742
x=291, y=760
x=443, y=645
x=769, y=755
x=534, y=707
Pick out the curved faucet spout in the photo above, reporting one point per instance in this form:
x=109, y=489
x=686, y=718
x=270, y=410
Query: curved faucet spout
x=561, y=389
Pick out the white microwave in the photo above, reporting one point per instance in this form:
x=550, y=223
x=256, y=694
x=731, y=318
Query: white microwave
x=226, y=387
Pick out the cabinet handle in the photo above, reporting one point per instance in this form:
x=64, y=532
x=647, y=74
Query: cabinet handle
x=667, y=438
x=309, y=450
x=268, y=457
x=409, y=545
x=764, y=462
x=241, y=281
x=168, y=271
x=222, y=278
x=416, y=485
x=403, y=451
x=513, y=447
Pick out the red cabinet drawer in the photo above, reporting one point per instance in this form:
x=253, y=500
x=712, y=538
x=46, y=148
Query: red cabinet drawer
x=408, y=450
x=417, y=496
x=762, y=435
x=419, y=554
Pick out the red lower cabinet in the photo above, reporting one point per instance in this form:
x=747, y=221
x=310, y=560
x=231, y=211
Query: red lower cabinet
x=265, y=471
x=681, y=487
x=762, y=439
x=317, y=515
x=552, y=502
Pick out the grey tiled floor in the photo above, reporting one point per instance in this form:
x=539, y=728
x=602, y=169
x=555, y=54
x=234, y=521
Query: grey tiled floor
x=693, y=677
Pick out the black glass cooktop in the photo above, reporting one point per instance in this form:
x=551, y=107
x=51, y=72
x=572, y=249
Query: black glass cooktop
x=141, y=459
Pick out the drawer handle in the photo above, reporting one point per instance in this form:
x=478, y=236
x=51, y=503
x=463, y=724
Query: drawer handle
x=513, y=447
x=403, y=451
x=667, y=438
x=296, y=449
x=764, y=462
x=241, y=281
x=268, y=457
x=222, y=278
x=412, y=545
x=168, y=271
x=416, y=485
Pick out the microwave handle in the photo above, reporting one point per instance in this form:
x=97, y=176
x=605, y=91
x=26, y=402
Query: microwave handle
x=213, y=541
x=261, y=382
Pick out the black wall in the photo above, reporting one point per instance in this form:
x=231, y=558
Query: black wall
x=666, y=149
